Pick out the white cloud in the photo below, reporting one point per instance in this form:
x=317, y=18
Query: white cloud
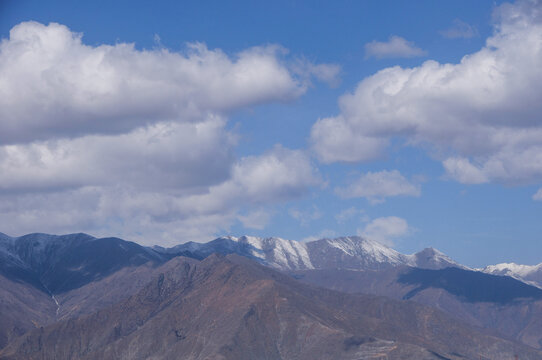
x=54, y=85
x=162, y=215
x=328, y=73
x=395, y=47
x=146, y=217
x=257, y=219
x=113, y=140
x=165, y=155
x=482, y=113
x=278, y=175
x=462, y=170
x=376, y=186
x=460, y=29
x=333, y=140
x=385, y=229
x=538, y=195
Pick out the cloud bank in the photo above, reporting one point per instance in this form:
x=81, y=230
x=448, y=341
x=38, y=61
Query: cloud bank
x=109, y=139
x=480, y=117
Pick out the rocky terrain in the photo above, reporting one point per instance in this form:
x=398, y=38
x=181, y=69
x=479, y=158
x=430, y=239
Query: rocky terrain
x=76, y=296
x=232, y=308
x=506, y=305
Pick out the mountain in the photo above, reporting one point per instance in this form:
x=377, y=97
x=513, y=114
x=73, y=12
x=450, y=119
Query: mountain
x=44, y=278
x=350, y=252
x=61, y=263
x=506, y=305
x=233, y=308
x=22, y=308
x=531, y=274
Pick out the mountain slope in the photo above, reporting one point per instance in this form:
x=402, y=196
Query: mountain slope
x=232, y=308
x=57, y=264
x=351, y=252
x=531, y=274
x=22, y=308
x=510, y=307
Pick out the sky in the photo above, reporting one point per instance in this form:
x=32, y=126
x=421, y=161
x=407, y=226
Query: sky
x=417, y=124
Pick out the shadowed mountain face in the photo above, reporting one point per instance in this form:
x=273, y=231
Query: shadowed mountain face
x=510, y=307
x=35, y=266
x=232, y=308
x=470, y=286
x=58, y=264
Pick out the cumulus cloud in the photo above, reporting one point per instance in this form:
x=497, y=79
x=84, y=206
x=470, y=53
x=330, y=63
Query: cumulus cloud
x=385, y=229
x=165, y=155
x=463, y=171
x=395, y=47
x=376, y=186
x=481, y=117
x=538, y=195
x=278, y=175
x=113, y=140
x=256, y=219
x=161, y=215
x=54, y=85
x=460, y=29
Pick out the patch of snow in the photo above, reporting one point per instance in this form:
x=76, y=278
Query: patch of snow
x=529, y=274
x=370, y=249
x=512, y=268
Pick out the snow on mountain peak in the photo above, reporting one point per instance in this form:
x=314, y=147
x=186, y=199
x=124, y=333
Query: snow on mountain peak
x=349, y=252
x=431, y=258
x=512, y=268
x=530, y=274
x=279, y=253
x=358, y=246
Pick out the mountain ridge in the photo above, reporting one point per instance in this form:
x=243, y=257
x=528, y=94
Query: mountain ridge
x=530, y=274
x=349, y=251
x=228, y=307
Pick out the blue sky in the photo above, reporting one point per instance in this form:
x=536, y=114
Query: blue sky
x=417, y=124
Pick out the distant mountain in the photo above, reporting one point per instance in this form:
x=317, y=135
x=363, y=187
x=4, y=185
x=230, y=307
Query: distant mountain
x=60, y=263
x=509, y=306
x=350, y=252
x=531, y=274
x=84, y=274
x=233, y=308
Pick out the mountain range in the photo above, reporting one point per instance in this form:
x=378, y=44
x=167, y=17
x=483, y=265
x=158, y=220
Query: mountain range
x=76, y=296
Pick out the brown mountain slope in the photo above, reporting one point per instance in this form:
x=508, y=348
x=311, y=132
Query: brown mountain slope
x=22, y=308
x=519, y=319
x=232, y=308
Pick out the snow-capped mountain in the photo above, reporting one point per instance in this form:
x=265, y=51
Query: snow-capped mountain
x=530, y=274
x=351, y=252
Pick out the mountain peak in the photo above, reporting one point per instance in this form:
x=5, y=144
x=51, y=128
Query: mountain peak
x=347, y=252
x=530, y=274
x=431, y=258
